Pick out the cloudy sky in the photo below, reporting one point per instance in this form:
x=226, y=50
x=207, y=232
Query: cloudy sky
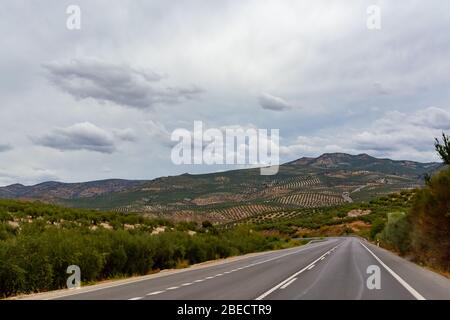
x=102, y=101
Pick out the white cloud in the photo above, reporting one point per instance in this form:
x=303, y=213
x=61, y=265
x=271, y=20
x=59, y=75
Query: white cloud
x=396, y=135
x=80, y=136
x=315, y=54
x=433, y=118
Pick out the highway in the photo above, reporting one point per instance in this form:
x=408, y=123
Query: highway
x=336, y=268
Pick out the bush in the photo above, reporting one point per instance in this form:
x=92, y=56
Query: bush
x=396, y=233
x=430, y=219
x=377, y=227
x=35, y=256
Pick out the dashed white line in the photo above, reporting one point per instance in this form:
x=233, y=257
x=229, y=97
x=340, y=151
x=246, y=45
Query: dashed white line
x=172, y=288
x=310, y=267
x=186, y=284
x=287, y=284
x=145, y=279
x=154, y=293
x=282, y=283
x=209, y=278
x=199, y=280
x=136, y=298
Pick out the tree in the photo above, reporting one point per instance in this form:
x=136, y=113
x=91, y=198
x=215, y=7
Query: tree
x=444, y=148
x=430, y=221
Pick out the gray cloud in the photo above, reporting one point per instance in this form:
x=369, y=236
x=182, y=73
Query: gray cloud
x=125, y=134
x=119, y=84
x=302, y=51
x=433, y=117
x=397, y=135
x=380, y=89
x=270, y=102
x=5, y=147
x=80, y=136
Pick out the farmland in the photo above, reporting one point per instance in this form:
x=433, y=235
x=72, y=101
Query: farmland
x=225, y=197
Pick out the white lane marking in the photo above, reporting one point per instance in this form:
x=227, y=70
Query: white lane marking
x=322, y=258
x=411, y=290
x=310, y=267
x=153, y=293
x=265, y=294
x=287, y=284
x=137, y=298
x=291, y=252
x=240, y=268
x=172, y=288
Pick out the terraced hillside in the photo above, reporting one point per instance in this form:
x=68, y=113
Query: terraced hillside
x=329, y=180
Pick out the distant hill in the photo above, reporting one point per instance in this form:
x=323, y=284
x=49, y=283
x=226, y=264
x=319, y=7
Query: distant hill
x=52, y=190
x=331, y=179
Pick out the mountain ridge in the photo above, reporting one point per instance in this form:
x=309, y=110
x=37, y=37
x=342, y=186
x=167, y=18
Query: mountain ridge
x=328, y=180
x=301, y=161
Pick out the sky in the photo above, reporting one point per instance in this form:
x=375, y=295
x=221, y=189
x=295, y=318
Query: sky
x=101, y=101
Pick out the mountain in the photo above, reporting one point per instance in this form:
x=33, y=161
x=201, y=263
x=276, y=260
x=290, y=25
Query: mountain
x=328, y=180
x=53, y=190
x=365, y=162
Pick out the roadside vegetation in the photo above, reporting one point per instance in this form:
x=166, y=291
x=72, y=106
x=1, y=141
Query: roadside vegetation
x=364, y=219
x=423, y=233
x=414, y=223
x=39, y=241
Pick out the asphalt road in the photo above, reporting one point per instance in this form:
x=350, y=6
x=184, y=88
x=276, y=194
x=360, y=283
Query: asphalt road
x=332, y=269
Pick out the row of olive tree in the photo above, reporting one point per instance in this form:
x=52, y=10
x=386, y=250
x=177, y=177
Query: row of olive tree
x=36, y=258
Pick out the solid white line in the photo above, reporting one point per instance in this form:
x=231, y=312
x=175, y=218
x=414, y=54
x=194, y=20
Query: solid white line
x=186, y=284
x=411, y=290
x=153, y=293
x=209, y=278
x=219, y=275
x=287, y=284
x=137, y=298
x=172, y=288
x=265, y=294
x=199, y=280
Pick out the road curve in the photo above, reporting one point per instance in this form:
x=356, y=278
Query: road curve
x=336, y=268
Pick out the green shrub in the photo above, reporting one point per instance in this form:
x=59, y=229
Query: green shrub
x=397, y=232
x=430, y=219
x=377, y=227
